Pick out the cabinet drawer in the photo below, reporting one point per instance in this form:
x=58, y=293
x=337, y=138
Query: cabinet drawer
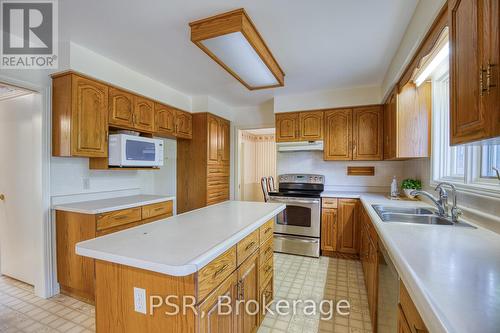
x=217, y=171
x=247, y=246
x=217, y=181
x=329, y=203
x=266, y=231
x=266, y=271
x=266, y=251
x=211, y=276
x=156, y=209
x=119, y=217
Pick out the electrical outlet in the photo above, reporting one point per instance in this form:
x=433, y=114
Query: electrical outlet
x=86, y=183
x=140, y=300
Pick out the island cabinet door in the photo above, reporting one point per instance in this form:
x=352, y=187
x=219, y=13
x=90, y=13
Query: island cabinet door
x=209, y=318
x=248, y=290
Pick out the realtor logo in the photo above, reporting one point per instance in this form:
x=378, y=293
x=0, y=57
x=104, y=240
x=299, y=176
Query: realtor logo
x=29, y=34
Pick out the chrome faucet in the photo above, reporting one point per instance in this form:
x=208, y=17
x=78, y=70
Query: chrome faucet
x=442, y=202
x=437, y=203
x=455, y=211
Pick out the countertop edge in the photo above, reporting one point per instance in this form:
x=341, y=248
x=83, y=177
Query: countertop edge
x=191, y=267
x=65, y=208
x=425, y=306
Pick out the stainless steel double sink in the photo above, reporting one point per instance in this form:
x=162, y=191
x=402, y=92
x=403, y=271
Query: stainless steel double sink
x=414, y=215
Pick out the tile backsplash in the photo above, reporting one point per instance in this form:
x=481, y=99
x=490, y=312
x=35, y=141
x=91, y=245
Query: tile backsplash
x=336, y=178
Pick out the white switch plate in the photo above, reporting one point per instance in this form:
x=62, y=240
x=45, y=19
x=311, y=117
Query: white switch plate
x=140, y=300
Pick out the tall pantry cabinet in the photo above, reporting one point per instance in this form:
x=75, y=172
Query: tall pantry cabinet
x=203, y=163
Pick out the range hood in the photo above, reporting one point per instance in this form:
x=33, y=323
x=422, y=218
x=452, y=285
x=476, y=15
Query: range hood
x=300, y=146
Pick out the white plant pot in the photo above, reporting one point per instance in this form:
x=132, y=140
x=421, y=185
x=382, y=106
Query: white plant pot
x=407, y=192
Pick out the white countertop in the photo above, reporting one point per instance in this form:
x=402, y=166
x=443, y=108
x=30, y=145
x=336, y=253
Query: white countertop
x=109, y=205
x=183, y=244
x=452, y=273
x=341, y=194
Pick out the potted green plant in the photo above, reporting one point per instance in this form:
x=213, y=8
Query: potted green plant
x=410, y=185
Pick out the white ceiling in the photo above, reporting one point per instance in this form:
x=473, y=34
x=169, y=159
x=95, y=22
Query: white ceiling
x=321, y=44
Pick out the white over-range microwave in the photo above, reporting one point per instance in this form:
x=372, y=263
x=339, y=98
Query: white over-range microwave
x=135, y=151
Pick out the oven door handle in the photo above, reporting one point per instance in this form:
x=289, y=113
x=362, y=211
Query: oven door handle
x=315, y=201
x=298, y=239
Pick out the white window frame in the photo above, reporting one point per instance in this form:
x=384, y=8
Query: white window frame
x=471, y=182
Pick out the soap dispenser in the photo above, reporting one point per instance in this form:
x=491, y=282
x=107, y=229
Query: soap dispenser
x=394, y=188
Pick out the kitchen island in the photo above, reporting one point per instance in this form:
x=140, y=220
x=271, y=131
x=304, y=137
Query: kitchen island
x=188, y=260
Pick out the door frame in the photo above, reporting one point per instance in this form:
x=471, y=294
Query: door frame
x=237, y=155
x=45, y=278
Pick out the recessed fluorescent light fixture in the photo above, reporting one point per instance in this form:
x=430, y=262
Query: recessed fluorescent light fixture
x=232, y=40
x=440, y=56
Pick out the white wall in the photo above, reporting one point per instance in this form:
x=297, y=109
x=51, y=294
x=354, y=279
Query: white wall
x=423, y=17
x=328, y=99
x=336, y=171
x=261, y=116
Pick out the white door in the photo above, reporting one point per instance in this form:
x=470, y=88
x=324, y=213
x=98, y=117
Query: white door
x=20, y=184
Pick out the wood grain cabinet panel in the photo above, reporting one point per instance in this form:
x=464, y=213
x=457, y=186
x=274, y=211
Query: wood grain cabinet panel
x=338, y=135
x=79, y=117
x=474, y=69
x=410, y=313
x=368, y=126
x=164, y=120
x=348, y=228
x=75, y=274
x=121, y=108
x=205, y=158
x=248, y=291
x=215, y=272
x=311, y=125
x=390, y=130
x=213, y=321
x=183, y=124
x=144, y=114
x=328, y=230
x=287, y=127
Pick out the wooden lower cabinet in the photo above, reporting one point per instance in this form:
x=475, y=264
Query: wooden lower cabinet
x=220, y=283
x=75, y=273
x=340, y=227
x=212, y=321
x=328, y=230
x=408, y=317
x=348, y=226
x=248, y=294
x=368, y=254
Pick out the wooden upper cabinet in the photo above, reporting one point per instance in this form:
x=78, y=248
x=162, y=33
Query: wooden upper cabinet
x=224, y=137
x=474, y=70
x=287, y=127
x=121, y=108
x=311, y=126
x=144, y=114
x=80, y=117
x=368, y=124
x=348, y=233
x=164, y=120
x=213, y=139
x=390, y=130
x=183, y=124
x=338, y=135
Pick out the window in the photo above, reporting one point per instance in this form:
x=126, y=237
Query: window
x=490, y=159
x=468, y=167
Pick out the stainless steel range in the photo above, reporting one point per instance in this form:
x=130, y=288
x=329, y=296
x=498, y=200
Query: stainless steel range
x=297, y=228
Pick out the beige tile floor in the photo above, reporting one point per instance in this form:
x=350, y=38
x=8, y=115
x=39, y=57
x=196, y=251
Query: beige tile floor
x=295, y=278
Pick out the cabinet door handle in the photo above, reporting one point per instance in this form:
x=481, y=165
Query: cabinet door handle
x=249, y=246
x=482, y=90
x=489, y=77
x=220, y=270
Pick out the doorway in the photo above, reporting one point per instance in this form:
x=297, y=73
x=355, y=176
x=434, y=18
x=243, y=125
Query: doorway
x=20, y=183
x=256, y=159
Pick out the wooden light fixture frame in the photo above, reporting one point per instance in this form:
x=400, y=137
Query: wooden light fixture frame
x=230, y=22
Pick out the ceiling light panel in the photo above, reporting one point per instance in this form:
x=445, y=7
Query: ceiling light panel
x=233, y=42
